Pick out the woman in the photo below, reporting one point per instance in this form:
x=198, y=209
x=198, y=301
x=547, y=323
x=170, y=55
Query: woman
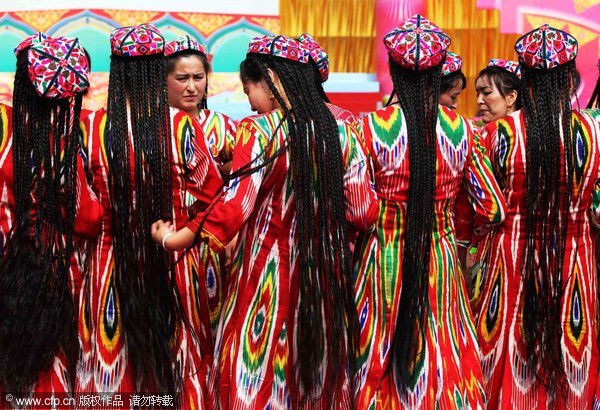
x=498, y=87
x=536, y=329
x=418, y=347
x=187, y=80
x=45, y=204
x=273, y=348
x=453, y=80
x=144, y=328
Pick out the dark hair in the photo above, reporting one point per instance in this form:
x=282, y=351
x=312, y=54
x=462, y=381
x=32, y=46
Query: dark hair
x=174, y=58
x=594, y=101
x=547, y=111
x=326, y=287
x=505, y=81
x=418, y=94
x=150, y=303
x=449, y=81
x=37, y=312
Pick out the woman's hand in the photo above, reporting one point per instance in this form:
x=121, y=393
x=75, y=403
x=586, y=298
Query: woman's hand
x=163, y=233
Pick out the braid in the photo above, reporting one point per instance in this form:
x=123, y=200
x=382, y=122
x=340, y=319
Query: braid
x=547, y=109
x=150, y=301
x=594, y=101
x=418, y=94
x=35, y=302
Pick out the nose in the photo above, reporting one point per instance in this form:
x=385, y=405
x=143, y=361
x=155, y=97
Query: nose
x=190, y=85
x=454, y=106
x=479, y=99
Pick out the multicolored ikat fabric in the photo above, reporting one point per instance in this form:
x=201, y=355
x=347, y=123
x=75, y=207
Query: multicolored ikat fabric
x=448, y=373
x=509, y=381
x=256, y=349
x=103, y=366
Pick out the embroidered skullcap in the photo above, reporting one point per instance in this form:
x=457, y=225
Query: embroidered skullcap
x=185, y=43
x=29, y=41
x=452, y=63
x=59, y=67
x=317, y=55
x=546, y=48
x=137, y=41
x=512, y=67
x=280, y=46
x=417, y=44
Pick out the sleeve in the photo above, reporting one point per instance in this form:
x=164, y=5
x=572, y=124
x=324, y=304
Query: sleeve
x=484, y=192
x=89, y=211
x=203, y=179
x=223, y=222
x=226, y=153
x=362, y=206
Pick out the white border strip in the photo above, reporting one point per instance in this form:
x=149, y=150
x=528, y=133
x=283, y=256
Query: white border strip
x=246, y=7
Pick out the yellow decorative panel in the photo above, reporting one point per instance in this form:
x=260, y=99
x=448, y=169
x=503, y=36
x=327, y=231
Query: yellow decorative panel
x=270, y=23
x=582, y=5
x=131, y=18
x=41, y=21
x=206, y=23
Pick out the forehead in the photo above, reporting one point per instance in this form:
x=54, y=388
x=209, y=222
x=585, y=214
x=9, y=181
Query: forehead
x=484, y=81
x=191, y=63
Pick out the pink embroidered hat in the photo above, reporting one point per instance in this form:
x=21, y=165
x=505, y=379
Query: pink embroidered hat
x=59, y=67
x=512, y=67
x=452, y=63
x=29, y=41
x=137, y=41
x=417, y=44
x=280, y=46
x=317, y=55
x=546, y=48
x=185, y=43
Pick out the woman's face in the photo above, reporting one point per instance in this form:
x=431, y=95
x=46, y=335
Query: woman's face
x=492, y=104
x=259, y=96
x=187, y=84
x=449, y=98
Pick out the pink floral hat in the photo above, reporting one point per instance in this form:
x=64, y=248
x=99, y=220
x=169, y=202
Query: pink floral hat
x=137, y=41
x=546, y=48
x=59, y=67
x=317, y=55
x=280, y=46
x=417, y=44
x=184, y=43
x=452, y=63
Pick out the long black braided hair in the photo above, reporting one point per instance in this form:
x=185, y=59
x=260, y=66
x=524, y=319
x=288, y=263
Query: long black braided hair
x=326, y=291
x=172, y=62
x=418, y=94
x=594, y=101
x=550, y=170
x=37, y=312
x=140, y=195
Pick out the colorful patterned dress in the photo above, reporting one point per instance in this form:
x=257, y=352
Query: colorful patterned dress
x=508, y=380
x=255, y=352
x=448, y=374
x=86, y=225
x=219, y=131
x=103, y=365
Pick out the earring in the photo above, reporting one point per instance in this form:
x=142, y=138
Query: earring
x=271, y=96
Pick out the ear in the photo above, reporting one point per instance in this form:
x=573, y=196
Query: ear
x=511, y=99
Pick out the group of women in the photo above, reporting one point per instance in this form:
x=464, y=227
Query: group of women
x=301, y=258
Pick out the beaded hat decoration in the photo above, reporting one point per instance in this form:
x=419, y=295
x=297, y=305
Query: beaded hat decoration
x=417, y=44
x=546, y=48
x=185, y=43
x=512, y=67
x=137, y=41
x=59, y=67
x=29, y=41
x=280, y=46
x=317, y=55
x=452, y=63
